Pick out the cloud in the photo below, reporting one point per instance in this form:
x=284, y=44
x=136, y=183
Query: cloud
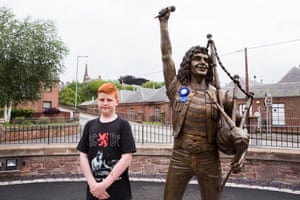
x=122, y=37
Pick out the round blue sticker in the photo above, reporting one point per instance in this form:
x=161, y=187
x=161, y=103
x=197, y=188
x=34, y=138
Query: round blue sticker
x=183, y=93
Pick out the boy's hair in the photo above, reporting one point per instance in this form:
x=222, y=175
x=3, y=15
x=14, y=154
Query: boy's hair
x=109, y=88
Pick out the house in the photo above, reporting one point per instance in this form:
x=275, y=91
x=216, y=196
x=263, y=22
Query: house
x=276, y=104
x=143, y=104
x=49, y=98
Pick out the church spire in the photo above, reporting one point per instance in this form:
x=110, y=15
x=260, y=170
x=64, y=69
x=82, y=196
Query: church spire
x=86, y=77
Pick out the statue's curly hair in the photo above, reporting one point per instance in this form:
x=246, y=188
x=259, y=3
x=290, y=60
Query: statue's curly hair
x=184, y=72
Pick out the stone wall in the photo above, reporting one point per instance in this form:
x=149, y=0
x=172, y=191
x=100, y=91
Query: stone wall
x=264, y=166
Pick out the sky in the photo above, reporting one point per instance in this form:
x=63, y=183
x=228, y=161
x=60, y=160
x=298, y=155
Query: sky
x=121, y=37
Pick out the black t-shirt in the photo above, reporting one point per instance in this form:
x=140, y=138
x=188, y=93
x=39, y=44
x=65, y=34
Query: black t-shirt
x=104, y=143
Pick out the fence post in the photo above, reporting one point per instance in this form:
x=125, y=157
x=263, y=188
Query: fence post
x=48, y=134
x=142, y=133
x=1, y=128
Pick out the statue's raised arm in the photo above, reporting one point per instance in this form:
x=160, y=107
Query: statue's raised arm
x=166, y=48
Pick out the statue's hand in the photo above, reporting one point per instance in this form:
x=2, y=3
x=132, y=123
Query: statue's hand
x=241, y=143
x=238, y=161
x=164, y=13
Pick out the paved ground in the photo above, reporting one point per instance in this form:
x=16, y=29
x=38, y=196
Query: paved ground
x=141, y=191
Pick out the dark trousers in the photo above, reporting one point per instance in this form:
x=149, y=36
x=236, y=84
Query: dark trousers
x=119, y=190
x=184, y=165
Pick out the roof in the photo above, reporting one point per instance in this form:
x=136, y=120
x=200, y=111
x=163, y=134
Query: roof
x=288, y=86
x=291, y=89
x=145, y=95
x=292, y=76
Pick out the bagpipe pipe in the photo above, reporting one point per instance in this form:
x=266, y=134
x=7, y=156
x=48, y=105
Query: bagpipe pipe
x=232, y=139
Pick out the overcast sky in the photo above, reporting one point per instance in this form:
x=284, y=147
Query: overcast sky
x=121, y=37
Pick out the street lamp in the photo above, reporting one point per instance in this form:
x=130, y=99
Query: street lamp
x=76, y=90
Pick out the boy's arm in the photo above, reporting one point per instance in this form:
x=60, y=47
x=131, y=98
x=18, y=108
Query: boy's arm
x=86, y=169
x=118, y=169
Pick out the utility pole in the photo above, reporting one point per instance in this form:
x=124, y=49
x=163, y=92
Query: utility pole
x=246, y=71
x=247, y=86
x=76, y=87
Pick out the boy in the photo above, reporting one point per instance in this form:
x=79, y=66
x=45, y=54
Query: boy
x=106, y=149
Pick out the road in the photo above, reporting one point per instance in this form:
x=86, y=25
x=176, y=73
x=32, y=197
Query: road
x=141, y=191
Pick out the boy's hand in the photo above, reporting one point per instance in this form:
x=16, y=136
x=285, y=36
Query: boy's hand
x=99, y=190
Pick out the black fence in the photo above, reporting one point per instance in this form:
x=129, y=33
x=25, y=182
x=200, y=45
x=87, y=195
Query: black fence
x=40, y=134
x=285, y=137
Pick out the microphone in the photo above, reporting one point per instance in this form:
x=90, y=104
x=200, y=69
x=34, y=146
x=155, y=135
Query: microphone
x=165, y=11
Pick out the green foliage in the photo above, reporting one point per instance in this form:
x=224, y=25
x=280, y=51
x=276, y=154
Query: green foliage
x=6, y=124
x=153, y=84
x=21, y=121
x=27, y=122
x=18, y=120
x=26, y=113
x=31, y=52
x=43, y=120
x=163, y=117
x=129, y=87
x=86, y=92
x=60, y=120
x=67, y=94
x=89, y=90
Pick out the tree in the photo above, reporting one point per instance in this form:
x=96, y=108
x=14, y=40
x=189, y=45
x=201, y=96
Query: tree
x=31, y=53
x=86, y=92
x=153, y=84
x=67, y=94
x=89, y=91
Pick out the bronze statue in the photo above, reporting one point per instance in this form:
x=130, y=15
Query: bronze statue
x=198, y=109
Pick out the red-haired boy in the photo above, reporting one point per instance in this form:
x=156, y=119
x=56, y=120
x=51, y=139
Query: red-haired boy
x=106, y=149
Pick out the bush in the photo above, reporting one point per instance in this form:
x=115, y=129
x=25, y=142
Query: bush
x=18, y=120
x=43, y=120
x=59, y=120
x=6, y=124
x=26, y=113
x=27, y=122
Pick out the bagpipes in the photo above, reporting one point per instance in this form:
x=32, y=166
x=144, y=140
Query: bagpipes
x=231, y=139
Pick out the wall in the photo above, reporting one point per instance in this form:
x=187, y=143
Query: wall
x=264, y=166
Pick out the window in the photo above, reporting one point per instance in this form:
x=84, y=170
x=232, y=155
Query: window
x=46, y=105
x=278, y=117
x=48, y=87
x=131, y=114
x=157, y=114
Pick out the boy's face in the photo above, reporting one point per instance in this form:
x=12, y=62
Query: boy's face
x=107, y=103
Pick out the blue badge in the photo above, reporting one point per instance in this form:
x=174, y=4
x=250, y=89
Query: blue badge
x=183, y=93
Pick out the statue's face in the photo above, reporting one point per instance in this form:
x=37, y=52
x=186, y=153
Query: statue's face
x=199, y=64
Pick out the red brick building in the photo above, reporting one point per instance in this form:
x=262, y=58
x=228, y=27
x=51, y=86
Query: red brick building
x=49, y=98
x=143, y=104
x=276, y=104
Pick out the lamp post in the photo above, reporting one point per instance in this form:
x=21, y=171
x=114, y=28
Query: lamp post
x=76, y=87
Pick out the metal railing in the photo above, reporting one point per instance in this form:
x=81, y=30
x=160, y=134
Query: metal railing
x=285, y=137
x=40, y=134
